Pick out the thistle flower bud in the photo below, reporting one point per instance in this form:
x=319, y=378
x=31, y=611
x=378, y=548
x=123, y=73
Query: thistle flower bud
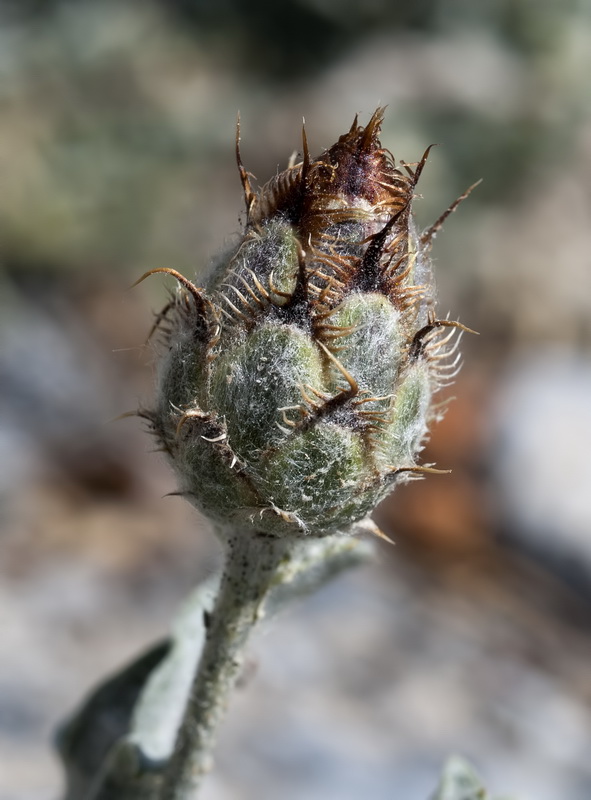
x=296, y=388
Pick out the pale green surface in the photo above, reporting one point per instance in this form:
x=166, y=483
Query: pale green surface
x=460, y=781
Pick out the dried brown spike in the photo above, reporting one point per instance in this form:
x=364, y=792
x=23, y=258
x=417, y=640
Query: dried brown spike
x=372, y=130
x=417, y=344
x=305, y=157
x=249, y=195
x=421, y=165
x=421, y=471
x=160, y=317
x=428, y=235
x=190, y=287
x=206, y=313
x=136, y=412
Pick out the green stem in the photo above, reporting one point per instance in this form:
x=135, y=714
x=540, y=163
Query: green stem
x=252, y=567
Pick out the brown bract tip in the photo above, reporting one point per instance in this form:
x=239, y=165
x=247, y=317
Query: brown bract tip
x=358, y=167
x=355, y=171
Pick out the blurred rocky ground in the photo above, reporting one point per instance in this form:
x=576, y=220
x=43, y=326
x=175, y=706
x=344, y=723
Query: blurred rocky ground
x=473, y=634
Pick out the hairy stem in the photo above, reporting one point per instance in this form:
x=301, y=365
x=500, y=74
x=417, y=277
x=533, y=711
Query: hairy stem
x=252, y=567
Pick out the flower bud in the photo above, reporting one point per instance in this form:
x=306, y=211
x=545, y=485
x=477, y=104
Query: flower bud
x=296, y=388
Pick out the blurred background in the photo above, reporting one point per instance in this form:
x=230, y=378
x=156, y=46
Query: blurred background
x=472, y=634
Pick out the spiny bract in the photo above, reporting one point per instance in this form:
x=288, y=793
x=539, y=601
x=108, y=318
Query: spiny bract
x=296, y=388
